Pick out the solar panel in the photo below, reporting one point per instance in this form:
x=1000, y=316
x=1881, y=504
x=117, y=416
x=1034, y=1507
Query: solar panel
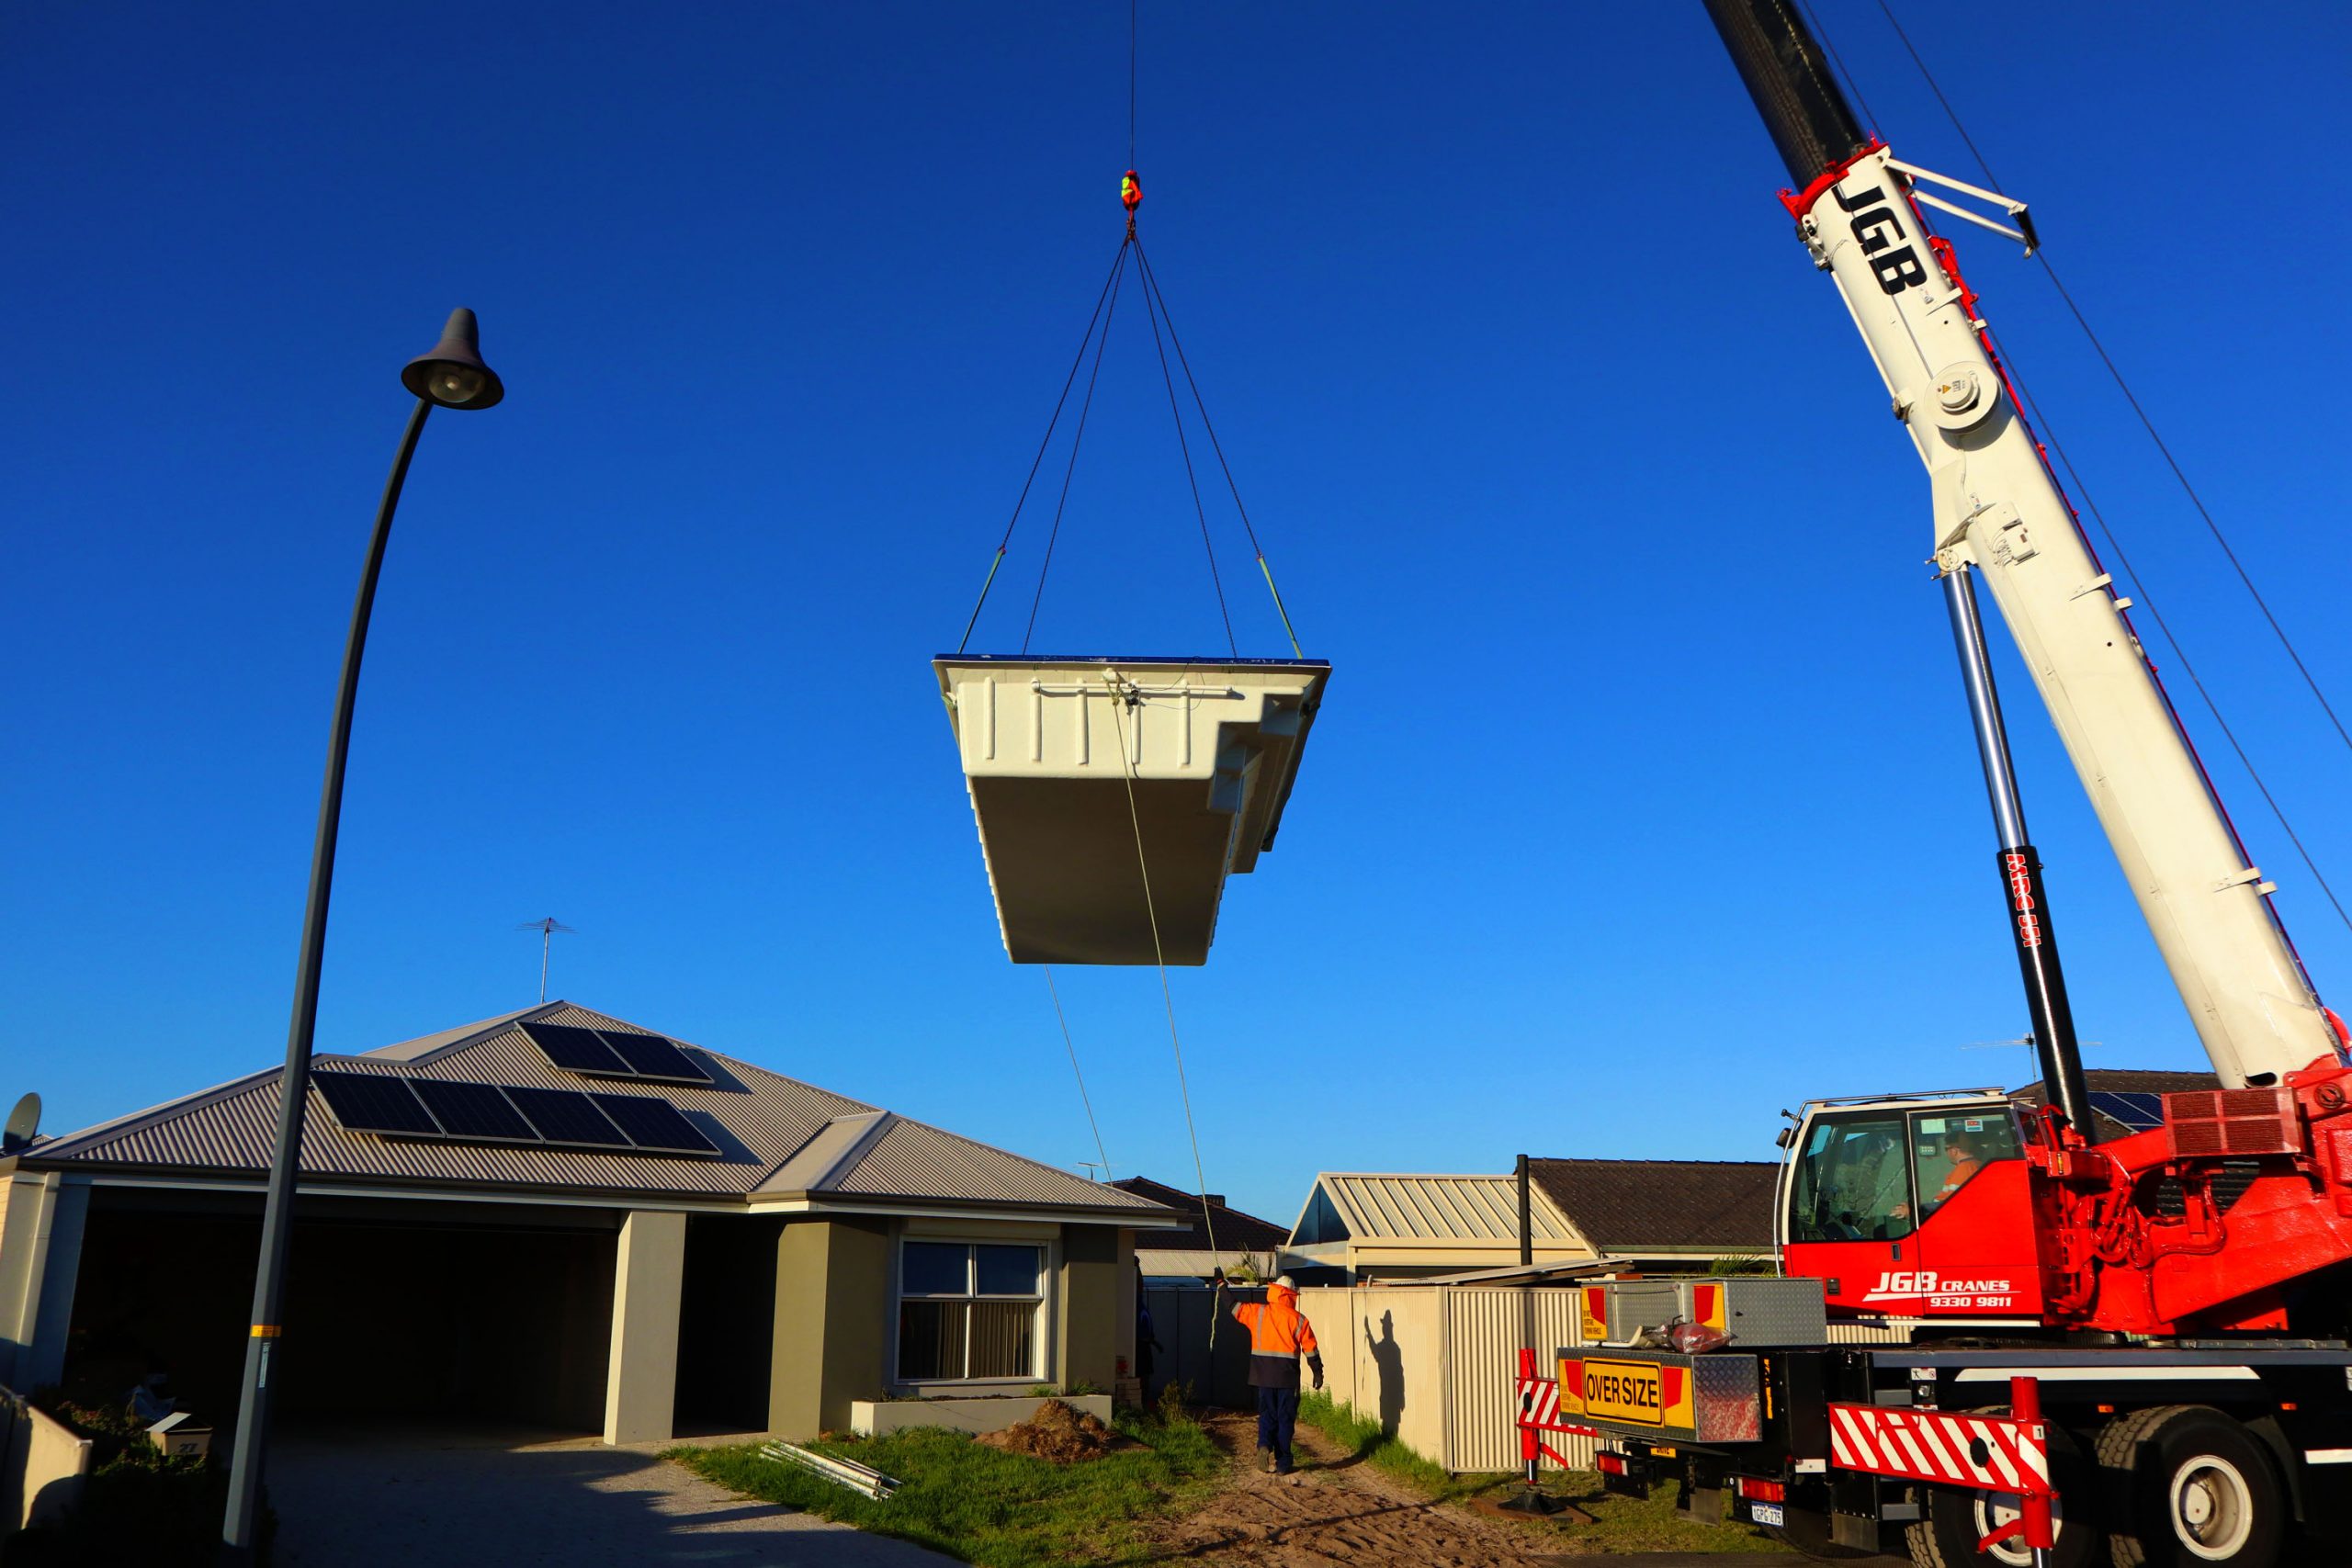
x=654, y=1124
x=579, y=1050
x=364, y=1102
x=2136, y=1112
x=652, y=1056
x=567, y=1116
x=474, y=1111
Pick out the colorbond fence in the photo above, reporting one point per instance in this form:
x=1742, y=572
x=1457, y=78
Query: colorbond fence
x=42, y=1465
x=1437, y=1365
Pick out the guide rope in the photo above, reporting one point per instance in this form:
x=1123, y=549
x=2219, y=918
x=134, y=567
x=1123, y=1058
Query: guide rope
x=1083, y=1098
x=1121, y=701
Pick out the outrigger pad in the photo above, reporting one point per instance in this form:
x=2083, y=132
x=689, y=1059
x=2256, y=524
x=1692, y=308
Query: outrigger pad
x=1052, y=749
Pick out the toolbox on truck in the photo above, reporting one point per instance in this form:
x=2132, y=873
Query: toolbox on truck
x=1070, y=762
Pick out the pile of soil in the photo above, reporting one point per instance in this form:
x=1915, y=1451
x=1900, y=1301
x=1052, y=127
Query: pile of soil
x=1059, y=1432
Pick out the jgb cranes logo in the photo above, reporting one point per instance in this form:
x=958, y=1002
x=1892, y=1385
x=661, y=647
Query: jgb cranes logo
x=1880, y=233
x=1903, y=1285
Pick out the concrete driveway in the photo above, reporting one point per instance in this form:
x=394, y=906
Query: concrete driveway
x=396, y=1499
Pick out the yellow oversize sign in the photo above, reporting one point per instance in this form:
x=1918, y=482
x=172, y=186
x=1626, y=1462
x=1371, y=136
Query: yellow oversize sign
x=1622, y=1390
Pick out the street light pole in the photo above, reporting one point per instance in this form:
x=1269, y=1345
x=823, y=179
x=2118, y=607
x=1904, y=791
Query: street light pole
x=452, y=376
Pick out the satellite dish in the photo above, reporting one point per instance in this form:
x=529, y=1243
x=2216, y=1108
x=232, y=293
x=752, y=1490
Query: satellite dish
x=23, y=1122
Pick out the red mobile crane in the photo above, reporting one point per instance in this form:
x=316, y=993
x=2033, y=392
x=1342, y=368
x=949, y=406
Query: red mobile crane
x=2181, y=1294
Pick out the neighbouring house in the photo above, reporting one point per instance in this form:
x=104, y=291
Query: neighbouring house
x=1586, y=1216
x=2126, y=1100
x=1221, y=1236
x=557, y=1219
x=1665, y=1216
x=1357, y=1226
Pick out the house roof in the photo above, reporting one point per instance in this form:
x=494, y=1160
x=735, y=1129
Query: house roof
x=1381, y=1207
x=1236, y=1232
x=778, y=1137
x=1630, y=1206
x=2123, y=1081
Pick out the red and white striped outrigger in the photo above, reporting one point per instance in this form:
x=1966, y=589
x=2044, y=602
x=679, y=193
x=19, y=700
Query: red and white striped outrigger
x=1999, y=1453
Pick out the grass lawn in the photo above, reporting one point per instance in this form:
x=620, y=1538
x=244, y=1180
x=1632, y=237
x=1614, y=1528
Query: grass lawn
x=987, y=1507
x=1621, y=1524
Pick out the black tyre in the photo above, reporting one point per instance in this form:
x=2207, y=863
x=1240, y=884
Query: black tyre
x=1955, y=1519
x=2188, y=1487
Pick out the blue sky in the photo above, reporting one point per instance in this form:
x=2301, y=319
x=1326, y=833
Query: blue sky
x=1644, y=802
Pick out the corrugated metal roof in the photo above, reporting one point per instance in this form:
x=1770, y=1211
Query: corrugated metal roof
x=776, y=1135
x=1377, y=1207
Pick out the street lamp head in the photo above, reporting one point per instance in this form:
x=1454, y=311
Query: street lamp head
x=453, y=375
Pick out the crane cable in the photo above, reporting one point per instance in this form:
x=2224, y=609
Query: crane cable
x=2147, y=599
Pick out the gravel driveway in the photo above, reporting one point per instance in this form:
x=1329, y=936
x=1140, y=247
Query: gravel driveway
x=398, y=1500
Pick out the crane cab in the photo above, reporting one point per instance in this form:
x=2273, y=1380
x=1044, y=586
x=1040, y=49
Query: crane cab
x=1916, y=1206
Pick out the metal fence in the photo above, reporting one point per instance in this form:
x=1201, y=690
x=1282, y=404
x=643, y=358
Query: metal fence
x=42, y=1465
x=1436, y=1366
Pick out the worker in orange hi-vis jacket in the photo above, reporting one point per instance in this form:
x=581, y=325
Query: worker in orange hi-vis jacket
x=1279, y=1335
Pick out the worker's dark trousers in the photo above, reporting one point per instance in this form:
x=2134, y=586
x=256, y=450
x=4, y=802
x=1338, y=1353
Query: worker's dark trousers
x=1277, y=1415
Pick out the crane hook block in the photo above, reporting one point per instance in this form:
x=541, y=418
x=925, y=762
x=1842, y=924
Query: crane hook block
x=1130, y=190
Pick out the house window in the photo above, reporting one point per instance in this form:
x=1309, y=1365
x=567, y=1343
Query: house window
x=968, y=1310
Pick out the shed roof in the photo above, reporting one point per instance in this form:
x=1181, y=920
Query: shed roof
x=1376, y=1206
x=1630, y=1206
x=778, y=1137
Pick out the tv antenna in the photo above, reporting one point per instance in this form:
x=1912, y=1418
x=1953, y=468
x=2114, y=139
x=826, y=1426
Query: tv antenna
x=2028, y=1042
x=1091, y=1167
x=546, y=929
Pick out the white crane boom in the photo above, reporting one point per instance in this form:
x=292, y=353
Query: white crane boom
x=1997, y=509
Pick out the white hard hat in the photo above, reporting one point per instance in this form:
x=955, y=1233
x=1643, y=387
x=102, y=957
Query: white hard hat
x=1285, y=1281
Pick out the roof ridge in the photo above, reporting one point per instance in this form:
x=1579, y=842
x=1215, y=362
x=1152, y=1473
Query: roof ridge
x=455, y=1040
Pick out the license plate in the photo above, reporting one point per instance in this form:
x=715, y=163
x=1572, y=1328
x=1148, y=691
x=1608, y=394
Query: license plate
x=1765, y=1513
x=1621, y=1391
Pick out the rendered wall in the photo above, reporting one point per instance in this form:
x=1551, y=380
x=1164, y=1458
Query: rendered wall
x=1097, y=1317
x=833, y=1321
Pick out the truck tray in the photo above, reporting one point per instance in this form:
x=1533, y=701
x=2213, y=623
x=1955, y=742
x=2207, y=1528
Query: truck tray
x=1051, y=748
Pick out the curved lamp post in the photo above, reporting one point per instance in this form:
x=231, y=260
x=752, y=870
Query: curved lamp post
x=451, y=376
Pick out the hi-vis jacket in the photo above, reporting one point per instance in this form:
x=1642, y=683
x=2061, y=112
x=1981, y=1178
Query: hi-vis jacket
x=1279, y=1335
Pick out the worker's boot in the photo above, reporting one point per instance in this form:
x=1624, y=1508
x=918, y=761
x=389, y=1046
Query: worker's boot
x=1269, y=1465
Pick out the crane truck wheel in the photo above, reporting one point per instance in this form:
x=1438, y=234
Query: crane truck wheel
x=2188, y=1487
x=1955, y=1518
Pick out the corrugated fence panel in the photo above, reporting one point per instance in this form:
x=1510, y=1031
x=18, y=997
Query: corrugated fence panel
x=1484, y=1329
x=1181, y=1316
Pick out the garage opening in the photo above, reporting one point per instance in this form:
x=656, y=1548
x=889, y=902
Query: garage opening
x=493, y=1319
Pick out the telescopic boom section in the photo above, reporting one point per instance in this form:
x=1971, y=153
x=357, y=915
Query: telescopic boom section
x=1998, y=510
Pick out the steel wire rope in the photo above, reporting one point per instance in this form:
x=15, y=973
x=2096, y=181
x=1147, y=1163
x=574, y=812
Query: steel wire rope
x=1077, y=438
x=1119, y=704
x=1083, y=1098
x=1153, y=291
x=1838, y=60
x=2146, y=423
x=1076, y=360
x=1176, y=413
x=2147, y=601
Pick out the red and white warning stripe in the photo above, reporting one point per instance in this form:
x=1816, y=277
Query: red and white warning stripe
x=1990, y=1451
x=1539, y=1402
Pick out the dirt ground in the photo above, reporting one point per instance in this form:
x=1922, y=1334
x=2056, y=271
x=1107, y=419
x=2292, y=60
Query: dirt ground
x=1334, y=1509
